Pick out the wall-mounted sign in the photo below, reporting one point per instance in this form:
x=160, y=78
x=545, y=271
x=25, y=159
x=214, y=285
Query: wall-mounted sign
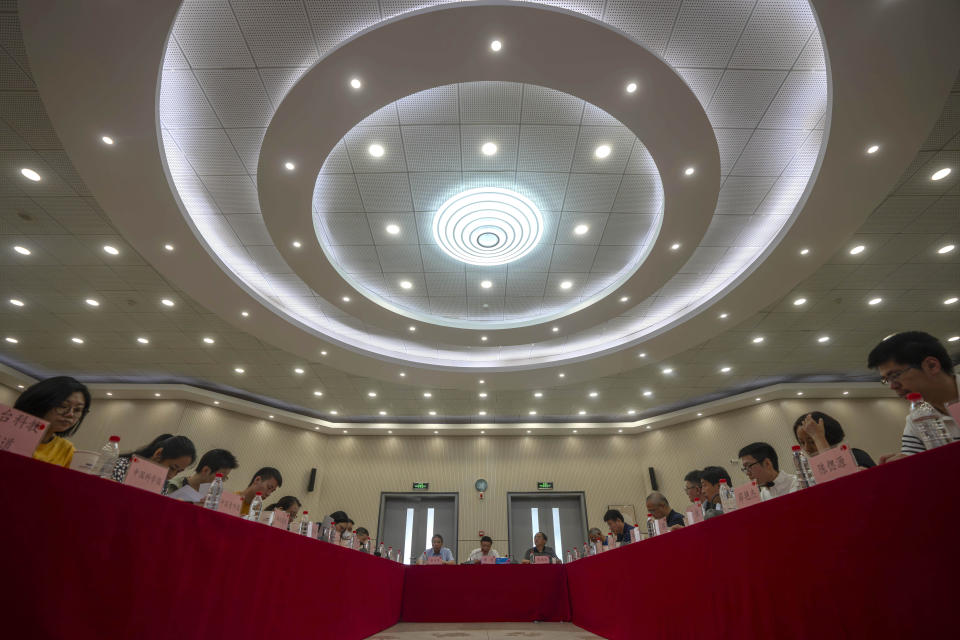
x=544, y=486
x=421, y=486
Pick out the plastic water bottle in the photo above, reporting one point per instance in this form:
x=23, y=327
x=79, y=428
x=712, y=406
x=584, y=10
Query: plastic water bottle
x=256, y=507
x=728, y=500
x=305, y=528
x=380, y=550
x=651, y=526
x=927, y=422
x=212, y=500
x=611, y=541
x=699, y=505
x=587, y=550
x=570, y=555
x=802, y=465
x=389, y=553
x=108, y=457
x=576, y=553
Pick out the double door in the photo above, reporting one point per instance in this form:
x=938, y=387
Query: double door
x=408, y=522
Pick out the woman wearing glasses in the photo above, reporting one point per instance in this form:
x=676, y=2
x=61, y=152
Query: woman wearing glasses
x=62, y=402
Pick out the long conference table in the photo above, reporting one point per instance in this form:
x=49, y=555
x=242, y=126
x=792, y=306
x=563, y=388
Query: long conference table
x=869, y=555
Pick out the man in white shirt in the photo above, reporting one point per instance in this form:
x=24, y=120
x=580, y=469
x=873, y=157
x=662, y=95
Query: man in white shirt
x=916, y=362
x=213, y=462
x=486, y=544
x=759, y=461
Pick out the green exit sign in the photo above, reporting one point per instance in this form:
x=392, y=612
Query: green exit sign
x=421, y=486
x=545, y=486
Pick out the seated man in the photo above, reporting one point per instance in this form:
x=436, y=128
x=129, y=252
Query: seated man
x=710, y=488
x=266, y=481
x=362, y=536
x=540, y=548
x=486, y=544
x=614, y=520
x=437, y=550
x=211, y=463
x=760, y=463
x=691, y=487
x=658, y=506
x=916, y=362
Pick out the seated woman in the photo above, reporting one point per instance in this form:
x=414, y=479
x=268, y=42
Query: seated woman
x=290, y=504
x=62, y=402
x=817, y=432
x=436, y=550
x=176, y=453
x=710, y=490
x=540, y=548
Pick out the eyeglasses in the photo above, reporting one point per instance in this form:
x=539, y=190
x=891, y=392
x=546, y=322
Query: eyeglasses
x=893, y=377
x=691, y=488
x=65, y=410
x=745, y=468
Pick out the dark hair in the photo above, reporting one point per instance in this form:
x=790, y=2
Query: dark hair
x=361, y=531
x=147, y=450
x=265, y=473
x=339, y=516
x=486, y=539
x=437, y=535
x=761, y=451
x=285, y=503
x=40, y=397
x=910, y=347
x=350, y=521
x=612, y=514
x=693, y=477
x=713, y=475
x=170, y=447
x=217, y=459
x=541, y=533
x=832, y=430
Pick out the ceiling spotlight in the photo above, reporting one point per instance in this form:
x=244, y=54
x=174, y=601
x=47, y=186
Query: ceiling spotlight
x=602, y=151
x=334, y=412
x=323, y=353
x=371, y=394
x=298, y=371
x=667, y=371
x=758, y=340
x=245, y=314
x=947, y=248
x=156, y=395
x=30, y=174
x=496, y=45
x=699, y=414
x=953, y=338
x=296, y=244
x=641, y=355
x=857, y=249
x=566, y=284
x=22, y=250
x=355, y=83
x=757, y=399
x=689, y=171
x=624, y=298
x=389, y=431
x=846, y=393
x=411, y=328
x=619, y=430
x=631, y=87
x=270, y=417
x=724, y=316
x=92, y=302
x=403, y=375
x=345, y=298
x=538, y=394
x=111, y=249
x=393, y=229
x=239, y=370
x=488, y=148
x=318, y=393
x=11, y=340
x=427, y=394
x=804, y=251
x=874, y=301
x=167, y=302
x=674, y=246
x=486, y=284
x=799, y=393
x=376, y=150
x=406, y=284
x=483, y=338
x=481, y=381
x=289, y=166
x=555, y=330
x=433, y=413
x=593, y=394
x=950, y=300
x=581, y=413
x=168, y=247
x=482, y=394
x=143, y=340
x=631, y=412
x=76, y=340
x=799, y=301
x=873, y=149
x=532, y=413
x=647, y=393
x=939, y=175
x=109, y=393
x=581, y=229
x=481, y=413
x=383, y=413
x=725, y=369
x=648, y=426
x=106, y=140
x=209, y=340
x=16, y=303
x=823, y=339
x=561, y=375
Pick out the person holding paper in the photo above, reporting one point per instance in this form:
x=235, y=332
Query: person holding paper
x=290, y=504
x=176, y=453
x=817, y=432
x=658, y=506
x=621, y=529
x=62, y=402
x=486, y=550
x=916, y=362
x=540, y=548
x=710, y=488
x=760, y=463
x=266, y=480
x=436, y=550
x=211, y=463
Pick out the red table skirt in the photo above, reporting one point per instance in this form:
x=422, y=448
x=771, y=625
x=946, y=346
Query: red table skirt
x=485, y=593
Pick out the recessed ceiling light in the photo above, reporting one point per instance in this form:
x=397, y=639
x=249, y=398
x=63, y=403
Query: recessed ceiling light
x=289, y=166
x=631, y=412
x=371, y=394
x=216, y=402
x=488, y=148
x=482, y=394
x=486, y=284
x=581, y=413
x=334, y=412
x=30, y=174
x=647, y=393
x=111, y=249
x=846, y=393
x=873, y=148
x=581, y=229
x=939, y=175
x=168, y=247
x=390, y=431
x=641, y=355
x=143, y=340
x=393, y=229
x=648, y=426
x=92, y=302
x=624, y=298
x=631, y=87
x=345, y=298
x=156, y=395
x=947, y=248
x=953, y=338
x=483, y=338
x=593, y=394
x=532, y=413
x=298, y=370
x=238, y=370
x=76, y=340
x=799, y=393
x=874, y=301
x=406, y=284
x=270, y=416
x=383, y=413
x=376, y=150
x=804, y=251
x=699, y=414
x=481, y=381
x=667, y=371
x=823, y=339
x=411, y=328
x=602, y=151
x=11, y=340
x=296, y=244
x=427, y=394
x=167, y=302
x=689, y=171
x=109, y=393
x=619, y=430
x=433, y=413
x=725, y=369
x=15, y=302
x=323, y=353
x=403, y=375
x=245, y=314
x=757, y=399
x=561, y=375
x=758, y=340
x=106, y=140
x=355, y=83
x=799, y=301
x=318, y=393
x=209, y=340
x=566, y=284
x=538, y=394
x=482, y=413
x=674, y=246
x=22, y=250
x=555, y=330
x=724, y=316
x=950, y=301
x=495, y=45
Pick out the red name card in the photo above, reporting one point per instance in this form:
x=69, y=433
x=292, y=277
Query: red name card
x=541, y=559
x=434, y=560
x=280, y=519
x=953, y=408
x=488, y=559
x=20, y=432
x=747, y=494
x=145, y=475
x=694, y=514
x=230, y=503
x=834, y=463
x=662, y=527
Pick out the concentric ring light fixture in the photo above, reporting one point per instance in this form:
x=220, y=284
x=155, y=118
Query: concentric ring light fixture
x=488, y=226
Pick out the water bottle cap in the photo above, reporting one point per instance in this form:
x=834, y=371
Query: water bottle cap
x=305, y=512
x=114, y=438
x=795, y=447
x=219, y=475
x=649, y=515
x=914, y=396
x=259, y=493
x=723, y=481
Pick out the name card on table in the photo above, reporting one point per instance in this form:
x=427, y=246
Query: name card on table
x=488, y=560
x=280, y=519
x=230, y=503
x=145, y=475
x=662, y=527
x=747, y=494
x=541, y=559
x=953, y=408
x=694, y=514
x=20, y=432
x=832, y=464
x=503, y=560
x=635, y=534
x=434, y=560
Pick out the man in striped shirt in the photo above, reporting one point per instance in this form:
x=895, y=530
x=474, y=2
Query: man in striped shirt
x=916, y=362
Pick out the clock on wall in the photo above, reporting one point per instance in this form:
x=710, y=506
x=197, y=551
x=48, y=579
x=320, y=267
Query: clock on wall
x=481, y=485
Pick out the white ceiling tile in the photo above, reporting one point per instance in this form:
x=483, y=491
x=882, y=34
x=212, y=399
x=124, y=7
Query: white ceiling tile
x=800, y=102
x=431, y=147
x=233, y=194
x=446, y=284
x=548, y=106
x=619, y=139
x=544, y=189
x=473, y=137
x=546, y=148
x=346, y=229
x=336, y=192
x=703, y=82
x=572, y=258
x=723, y=230
x=430, y=190
x=525, y=284
x=812, y=55
x=247, y=144
x=742, y=195
x=209, y=36
x=743, y=96
x=706, y=32
x=499, y=179
x=760, y=229
x=237, y=96
x=774, y=36
x=433, y=106
x=278, y=82
x=594, y=116
x=183, y=103
x=407, y=223
x=400, y=258
x=639, y=194
x=269, y=259
x=730, y=143
x=641, y=161
x=338, y=161
x=591, y=192
x=383, y=117
x=209, y=151
x=385, y=191
x=357, y=259
x=769, y=152
x=277, y=33
x=360, y=139
x=628, y=229
x=490, y=103
x=333, y=21
x=435, y=260
x=649, y=23
x=569, y=221
x=250, y=228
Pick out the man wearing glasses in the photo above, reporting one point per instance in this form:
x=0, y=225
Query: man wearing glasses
x=759, y=461
x=916, y=362
x=691, y=487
